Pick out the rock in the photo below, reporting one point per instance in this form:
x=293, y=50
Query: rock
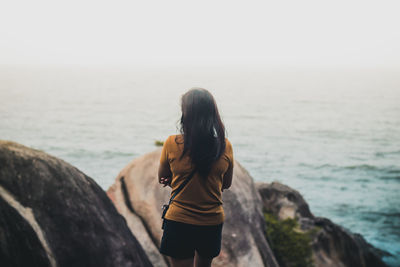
x=332, y=245
x=283, y=201
x=51, y=214
x=137, y=194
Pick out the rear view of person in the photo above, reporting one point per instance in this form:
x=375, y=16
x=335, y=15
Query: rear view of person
x=203, y=157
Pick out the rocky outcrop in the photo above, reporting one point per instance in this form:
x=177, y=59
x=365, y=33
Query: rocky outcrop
x=138, y=197
x=331, y=244
x=51, y=214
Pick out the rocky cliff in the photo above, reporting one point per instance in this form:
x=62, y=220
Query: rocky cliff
x=331, y=245
x=51, y=214
x=138, y=197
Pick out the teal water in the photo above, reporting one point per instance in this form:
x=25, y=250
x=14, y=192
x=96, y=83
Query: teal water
x=334, y=135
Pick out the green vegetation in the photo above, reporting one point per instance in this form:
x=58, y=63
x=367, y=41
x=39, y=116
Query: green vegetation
x=292, y=248
x=158, y=143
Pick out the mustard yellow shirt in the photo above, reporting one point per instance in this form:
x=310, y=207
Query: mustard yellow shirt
x=200, y=201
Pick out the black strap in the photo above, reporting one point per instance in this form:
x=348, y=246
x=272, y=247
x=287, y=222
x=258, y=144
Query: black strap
x=182, y=186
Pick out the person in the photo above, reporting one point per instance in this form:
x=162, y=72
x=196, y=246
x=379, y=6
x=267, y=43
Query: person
x=193, y=222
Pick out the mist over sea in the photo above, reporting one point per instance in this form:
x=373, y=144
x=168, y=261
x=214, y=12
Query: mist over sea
x=334, y=135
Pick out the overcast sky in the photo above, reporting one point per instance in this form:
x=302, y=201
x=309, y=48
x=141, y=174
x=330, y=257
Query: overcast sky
x=300, y=33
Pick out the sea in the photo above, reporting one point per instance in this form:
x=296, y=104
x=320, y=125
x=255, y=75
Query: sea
x=333, y=134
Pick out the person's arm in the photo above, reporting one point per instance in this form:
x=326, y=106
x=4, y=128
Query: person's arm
x=164, y=170
x=227, y=181
x=164, y=175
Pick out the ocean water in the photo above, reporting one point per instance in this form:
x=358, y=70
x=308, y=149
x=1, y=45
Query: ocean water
x=332, y=134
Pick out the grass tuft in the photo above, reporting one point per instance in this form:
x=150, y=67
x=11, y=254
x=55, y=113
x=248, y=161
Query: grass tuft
x=291, y=246
x=158, y=143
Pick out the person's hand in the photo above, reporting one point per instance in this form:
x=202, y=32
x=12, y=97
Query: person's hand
x=165, y=181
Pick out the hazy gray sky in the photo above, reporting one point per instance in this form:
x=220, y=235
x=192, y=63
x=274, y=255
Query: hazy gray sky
x=333, y=33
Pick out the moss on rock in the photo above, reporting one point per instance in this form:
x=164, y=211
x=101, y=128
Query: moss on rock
x=158, y=143
x=291, y=246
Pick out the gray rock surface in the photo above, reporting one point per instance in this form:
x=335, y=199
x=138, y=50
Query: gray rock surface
x=51, y=214
x=332, y=245
x=137, y=194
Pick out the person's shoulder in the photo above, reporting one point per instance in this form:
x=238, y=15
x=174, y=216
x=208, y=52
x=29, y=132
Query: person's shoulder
x=228, y=155
x=228, y=143
x=228, y=146
x=173, y=139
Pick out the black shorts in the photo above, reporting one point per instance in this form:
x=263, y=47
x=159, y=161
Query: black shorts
x=181, y=240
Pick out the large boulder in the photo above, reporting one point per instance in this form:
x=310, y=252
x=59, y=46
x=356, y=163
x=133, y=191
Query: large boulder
x=331, y=244
x=51, y=214
x=138, y=197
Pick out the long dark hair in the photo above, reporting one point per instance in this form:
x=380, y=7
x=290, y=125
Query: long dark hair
x=202, y=129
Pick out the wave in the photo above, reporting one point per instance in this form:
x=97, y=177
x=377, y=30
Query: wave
x=386, y=214
x=365, y=167
x=391, y=171
x=351, y=167
x=390, y=178
x=317, y=167
x=82, y=153
x=387, y=153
